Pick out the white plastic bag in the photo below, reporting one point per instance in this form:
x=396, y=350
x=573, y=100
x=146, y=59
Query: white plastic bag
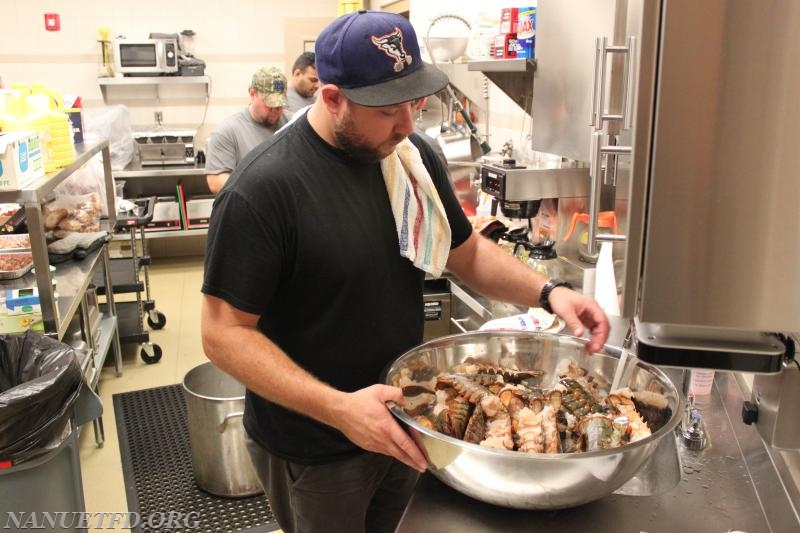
x=536, y=319
x=112, y=123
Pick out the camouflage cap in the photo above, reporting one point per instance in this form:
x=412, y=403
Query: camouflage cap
x=271, y=84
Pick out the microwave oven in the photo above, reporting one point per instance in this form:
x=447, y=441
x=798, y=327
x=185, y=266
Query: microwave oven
x=151, y=57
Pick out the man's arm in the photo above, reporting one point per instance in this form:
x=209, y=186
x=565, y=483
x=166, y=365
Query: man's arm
x=486, y=268
x=216, y=181
x=232, y=342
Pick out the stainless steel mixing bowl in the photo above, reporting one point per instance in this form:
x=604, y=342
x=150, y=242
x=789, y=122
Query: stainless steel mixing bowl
x=520, y=480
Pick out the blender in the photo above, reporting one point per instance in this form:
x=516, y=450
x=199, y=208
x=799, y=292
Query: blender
x=188, y=64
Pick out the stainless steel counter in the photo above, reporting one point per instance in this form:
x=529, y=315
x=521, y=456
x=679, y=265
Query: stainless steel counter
x=136, y=170
x=736, y=483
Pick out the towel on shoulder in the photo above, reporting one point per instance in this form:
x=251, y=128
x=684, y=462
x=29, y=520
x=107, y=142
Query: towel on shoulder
x=422, y=227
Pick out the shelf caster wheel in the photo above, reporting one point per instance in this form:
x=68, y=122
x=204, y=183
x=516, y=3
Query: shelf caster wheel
x=160, y=319
x=151, y=353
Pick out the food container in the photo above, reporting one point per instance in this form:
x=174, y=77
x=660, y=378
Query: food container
x=15, y=242
x=521, y=480
x=15, y=264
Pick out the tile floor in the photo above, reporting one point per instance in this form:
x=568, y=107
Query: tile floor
x=175, y=287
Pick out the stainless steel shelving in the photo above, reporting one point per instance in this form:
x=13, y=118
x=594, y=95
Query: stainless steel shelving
x=151, y=180
x=72, y=278
x=513, y=76
x=135, y=83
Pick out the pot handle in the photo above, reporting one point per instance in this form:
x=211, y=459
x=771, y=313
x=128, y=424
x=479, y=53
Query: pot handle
x=221, y=428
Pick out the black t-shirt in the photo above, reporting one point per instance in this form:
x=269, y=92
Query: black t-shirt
x=304, y=236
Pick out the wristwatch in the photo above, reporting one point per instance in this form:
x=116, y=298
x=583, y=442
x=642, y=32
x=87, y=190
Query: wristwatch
x=544, y=297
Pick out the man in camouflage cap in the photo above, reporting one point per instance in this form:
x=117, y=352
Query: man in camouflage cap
x=238, y=134
x=271, y=84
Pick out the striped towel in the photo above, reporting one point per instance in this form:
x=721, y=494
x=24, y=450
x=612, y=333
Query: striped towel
x=420, y=218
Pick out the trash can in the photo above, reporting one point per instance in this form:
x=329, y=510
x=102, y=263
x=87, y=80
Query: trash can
x=214, y=405
x=43, y=400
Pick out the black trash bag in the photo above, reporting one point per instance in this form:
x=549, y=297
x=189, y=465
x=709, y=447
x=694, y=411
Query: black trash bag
x=40, y=380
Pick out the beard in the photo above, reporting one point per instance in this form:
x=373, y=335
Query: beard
x=357, y=146
x=269, y=120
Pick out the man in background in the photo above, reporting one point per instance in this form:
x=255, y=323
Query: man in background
x=304, y=83
x=238, y=134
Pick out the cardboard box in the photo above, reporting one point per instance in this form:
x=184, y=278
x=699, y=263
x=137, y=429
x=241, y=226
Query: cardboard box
x=21, y=159
x=505, y=46
x=508, y=19
x=73, y=106
x=21, y=323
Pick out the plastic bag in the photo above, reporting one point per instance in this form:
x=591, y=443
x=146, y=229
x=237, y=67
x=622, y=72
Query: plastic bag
x=40, y=380
x=87, y=179
x=79, y=214
x=536, y=319
x=112, y=123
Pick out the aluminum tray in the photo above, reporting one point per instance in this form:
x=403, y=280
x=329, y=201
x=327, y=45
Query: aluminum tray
x=13, y=241
x=19, y=272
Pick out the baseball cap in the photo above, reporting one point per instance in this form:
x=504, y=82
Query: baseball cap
x=374, y=58
x=271, y=84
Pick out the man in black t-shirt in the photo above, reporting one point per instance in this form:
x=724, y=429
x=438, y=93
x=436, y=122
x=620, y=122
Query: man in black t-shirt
x=313, y=281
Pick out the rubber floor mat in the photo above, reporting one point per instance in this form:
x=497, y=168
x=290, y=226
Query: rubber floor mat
x=157, y=467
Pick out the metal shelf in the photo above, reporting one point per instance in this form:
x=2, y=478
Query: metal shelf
x=158, y=172
x=513, y=76
x=156, y=82
x=171, y=234
x=39, y=189
x=153, y=80
x=503, y=65
x=72, y=278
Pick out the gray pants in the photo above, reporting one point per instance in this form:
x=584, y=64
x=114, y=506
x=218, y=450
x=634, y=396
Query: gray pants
x=363, y=494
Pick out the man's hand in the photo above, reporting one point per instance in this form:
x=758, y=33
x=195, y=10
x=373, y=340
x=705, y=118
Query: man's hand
x=579, y=311
x=364, y=419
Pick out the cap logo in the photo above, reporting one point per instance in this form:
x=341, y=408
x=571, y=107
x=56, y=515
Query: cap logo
x=392, y=45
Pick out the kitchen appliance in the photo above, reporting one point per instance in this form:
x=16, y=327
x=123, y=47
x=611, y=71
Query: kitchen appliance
x=163, y=147
x=518, y=189
x=686, y=114
x=214, y=408
x=521, y=480
x=146, y=57
x=189, y=65
x=436, y=308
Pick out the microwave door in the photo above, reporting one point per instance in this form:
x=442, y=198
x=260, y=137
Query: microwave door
x=138, y=56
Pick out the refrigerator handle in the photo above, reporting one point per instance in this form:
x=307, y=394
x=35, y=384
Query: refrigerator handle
x=594, y=120
x=602, y=49
x=629, y=75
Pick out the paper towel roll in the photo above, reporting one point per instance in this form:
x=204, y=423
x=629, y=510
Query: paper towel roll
x=605, y=287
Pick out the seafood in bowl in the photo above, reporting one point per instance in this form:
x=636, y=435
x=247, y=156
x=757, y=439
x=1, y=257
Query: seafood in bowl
x=526, y=419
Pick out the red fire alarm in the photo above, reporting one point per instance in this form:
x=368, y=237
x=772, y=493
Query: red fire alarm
x=52, y=22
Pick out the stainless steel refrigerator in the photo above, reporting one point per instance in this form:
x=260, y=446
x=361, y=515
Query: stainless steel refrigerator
x=688, y=113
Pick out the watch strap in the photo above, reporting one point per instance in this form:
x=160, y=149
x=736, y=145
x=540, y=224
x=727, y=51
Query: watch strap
x=544, y=297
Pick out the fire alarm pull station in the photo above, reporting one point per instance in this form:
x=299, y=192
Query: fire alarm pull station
x=52, y=22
